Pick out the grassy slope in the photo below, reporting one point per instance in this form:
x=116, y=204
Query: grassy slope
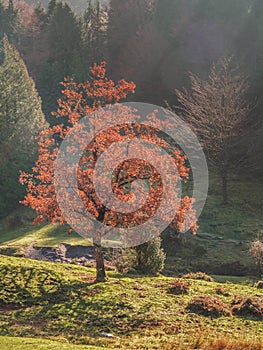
x=230, y=229
x=45, y=235
x=240, y=220
x=9, y=343
x=236, y=224
x=213, y=256
x=54, y=301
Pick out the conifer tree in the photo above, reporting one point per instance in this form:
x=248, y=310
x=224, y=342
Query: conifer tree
x=8, y=20
x=21, y=119
x=94, y=31
x=62, y=37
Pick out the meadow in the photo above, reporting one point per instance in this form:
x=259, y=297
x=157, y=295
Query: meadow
x=59, y=305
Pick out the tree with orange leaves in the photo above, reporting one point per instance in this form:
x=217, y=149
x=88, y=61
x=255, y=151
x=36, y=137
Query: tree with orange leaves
x=87, y=99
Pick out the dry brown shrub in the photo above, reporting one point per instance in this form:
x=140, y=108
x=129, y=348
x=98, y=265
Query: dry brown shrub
x=209, y=306
x=179, y=287
x=259, y=285
x=222, y=291
x=199, y=276
x=251, y=307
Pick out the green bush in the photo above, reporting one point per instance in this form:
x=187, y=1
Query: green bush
x=150, y=257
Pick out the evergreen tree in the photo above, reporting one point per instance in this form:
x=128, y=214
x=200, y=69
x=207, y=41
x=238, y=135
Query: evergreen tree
x=126, y=21
x=21, y=119
x=8, y=20
x=150, y=257
x=94, y=32
x=51, y=7
x=62, y=37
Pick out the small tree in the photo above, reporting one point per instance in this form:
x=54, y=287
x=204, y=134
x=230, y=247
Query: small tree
x=78, y=101
x=256, y=252
x=216, y=109
x=150, y=257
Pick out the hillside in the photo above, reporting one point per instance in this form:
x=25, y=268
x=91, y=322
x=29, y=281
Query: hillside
x=41, y=344
x=220, y=246
x=60, y=302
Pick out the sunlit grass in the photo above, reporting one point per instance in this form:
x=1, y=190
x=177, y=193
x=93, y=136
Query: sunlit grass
x=138, y=310
x=40, y=344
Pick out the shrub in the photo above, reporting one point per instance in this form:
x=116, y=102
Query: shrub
x=199, y=276
x=150, y=257
x=209, y=306
x=124, y=260
x=251, y=306
x=259, y=285
x=179, y=287
x=256, y=252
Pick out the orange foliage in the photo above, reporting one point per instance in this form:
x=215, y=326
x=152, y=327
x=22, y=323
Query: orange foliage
x=79, y=100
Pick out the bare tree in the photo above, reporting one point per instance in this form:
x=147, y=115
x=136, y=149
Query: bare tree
x=216, y=109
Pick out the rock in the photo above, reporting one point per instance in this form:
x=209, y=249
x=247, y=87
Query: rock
x=64, y=253
x=78, y=251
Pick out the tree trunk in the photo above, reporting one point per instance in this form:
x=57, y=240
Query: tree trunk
x=100, y=267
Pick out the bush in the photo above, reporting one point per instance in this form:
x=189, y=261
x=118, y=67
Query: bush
x=124, y=260
x=150, y=257
x=209, y=306
x=199, y=276
x=251, y=306
x=179, y=287
x=256, y=252
x=259, y=285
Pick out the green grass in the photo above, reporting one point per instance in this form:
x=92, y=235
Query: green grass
x=138, y=310
x=211, y=255
x=45, y=235
x=10, y=343
x=232, y=227
x=241, y=219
